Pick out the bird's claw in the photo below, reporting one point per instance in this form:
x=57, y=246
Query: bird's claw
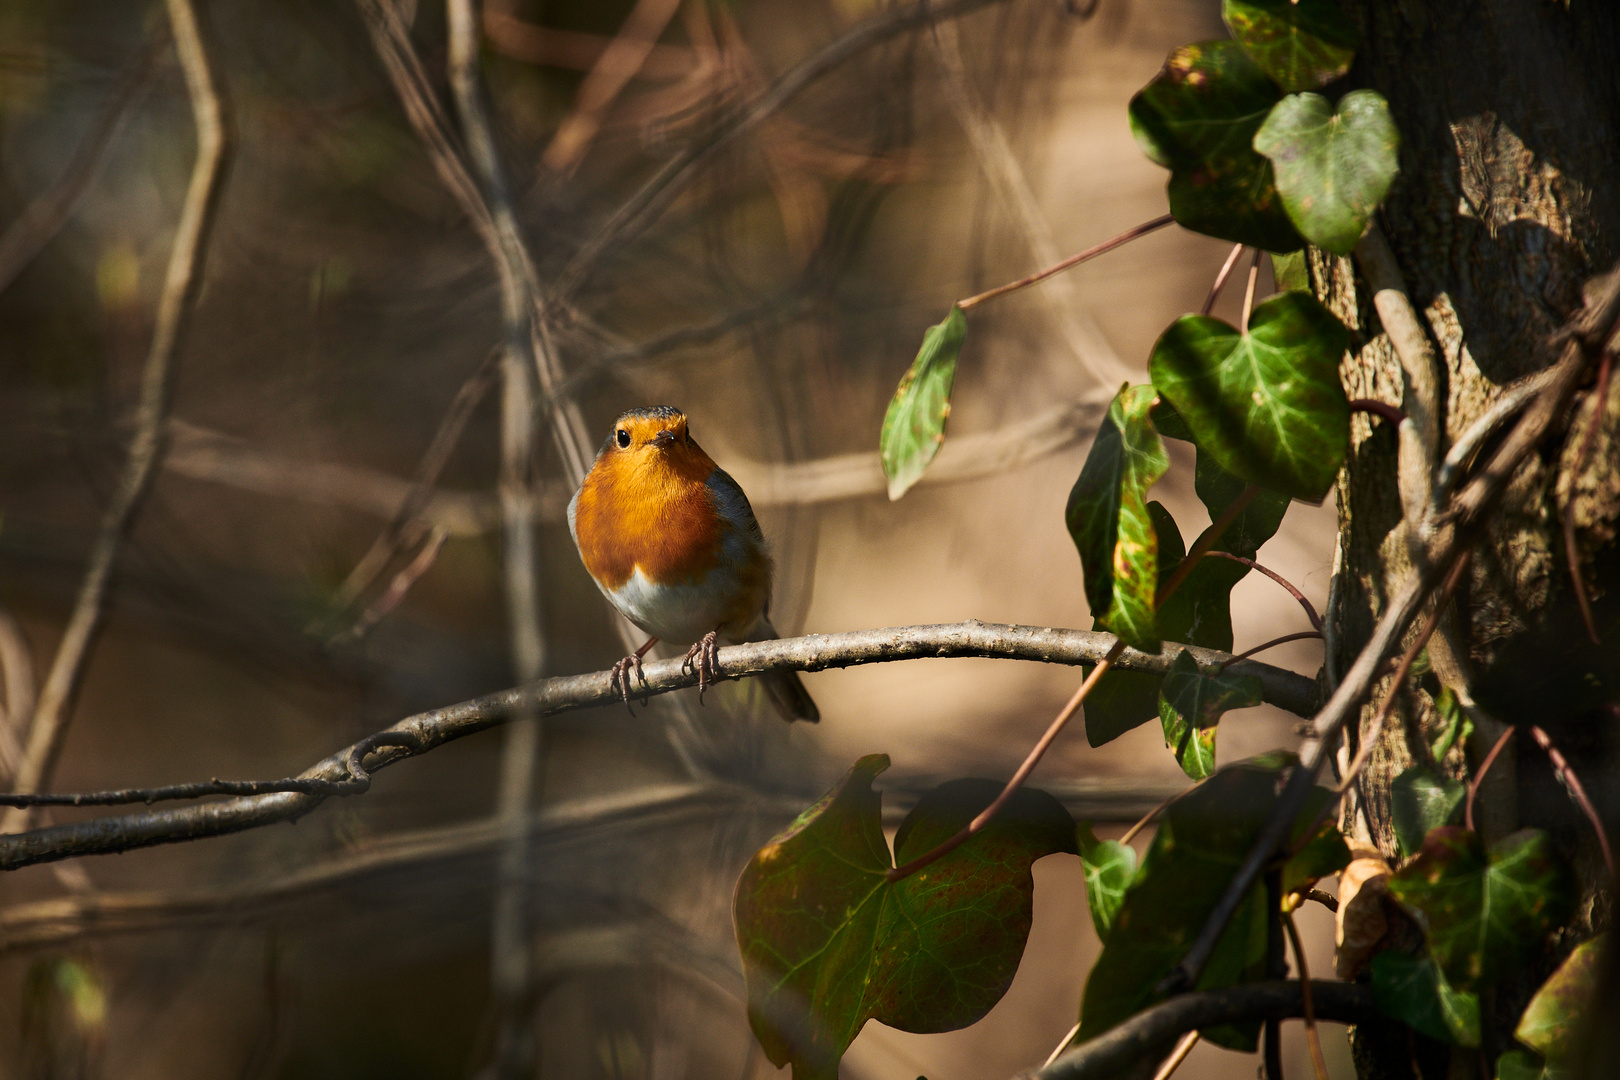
x=703, y=658
x=620, y=679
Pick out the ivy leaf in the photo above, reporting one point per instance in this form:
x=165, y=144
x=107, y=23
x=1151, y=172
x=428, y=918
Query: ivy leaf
x=1191, y=704
x=1109, y=866
x=914, y=425
x=1123, y=700
x=1551, y=1024
x=1290, y=272
x=1332, y=168
x=1266, y=403
x=1325, y=853
x=1519, y=1064
x=1258, y=522
x=1420, y=802
x=1483, y=913
x=1301, y=45
x=1413, y=990
x=828, y=943
x=1201, y=840
x=1459, y=726
x=1108, y=518
x=1197, y=118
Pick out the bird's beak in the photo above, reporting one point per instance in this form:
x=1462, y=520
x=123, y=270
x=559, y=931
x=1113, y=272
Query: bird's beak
x=664, y=438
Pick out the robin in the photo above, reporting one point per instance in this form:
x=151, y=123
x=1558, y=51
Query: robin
x=671, y=541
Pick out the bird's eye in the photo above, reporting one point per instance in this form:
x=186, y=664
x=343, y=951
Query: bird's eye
x=624, y=439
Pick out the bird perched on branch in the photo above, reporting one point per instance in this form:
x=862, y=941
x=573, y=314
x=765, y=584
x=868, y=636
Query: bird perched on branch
x=672, y=543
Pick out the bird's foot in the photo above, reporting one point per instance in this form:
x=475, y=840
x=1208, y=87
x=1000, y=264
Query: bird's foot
x=704, y=659
x=620, y=680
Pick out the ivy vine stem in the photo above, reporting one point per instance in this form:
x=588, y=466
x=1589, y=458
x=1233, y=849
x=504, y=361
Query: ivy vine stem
x=1310, y=612
x=1220, y=279
x=1577, y=792
x=1479, y=777
x=1308, y=1003
x=1133, y=233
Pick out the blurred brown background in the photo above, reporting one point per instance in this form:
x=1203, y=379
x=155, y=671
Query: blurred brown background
x=346, y=301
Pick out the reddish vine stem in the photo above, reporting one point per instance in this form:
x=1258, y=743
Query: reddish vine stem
x=1572, y=555
x=1200, y=548
x=1311, y=1035
x=1248, y=292
x=1148, y=817
x=1577, y=793
x=1076, y=259
x=1184, y=1046
x=1378, y=408
x=1479, y=778
x=1220, y=279
x=1264, y=645
x=1310, y=612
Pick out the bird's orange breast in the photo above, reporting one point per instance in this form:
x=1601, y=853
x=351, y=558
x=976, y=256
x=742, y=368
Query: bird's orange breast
x=655, y=513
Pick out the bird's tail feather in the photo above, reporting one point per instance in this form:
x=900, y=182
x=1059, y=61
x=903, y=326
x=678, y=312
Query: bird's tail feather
x=785, y=688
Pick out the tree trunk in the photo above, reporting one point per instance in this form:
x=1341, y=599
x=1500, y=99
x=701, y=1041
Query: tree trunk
x=1507, y=202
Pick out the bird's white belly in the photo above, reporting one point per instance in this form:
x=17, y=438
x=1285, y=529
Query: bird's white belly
x=679, y=614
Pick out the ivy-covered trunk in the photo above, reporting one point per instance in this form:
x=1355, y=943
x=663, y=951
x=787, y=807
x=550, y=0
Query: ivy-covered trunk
x=1507, y=202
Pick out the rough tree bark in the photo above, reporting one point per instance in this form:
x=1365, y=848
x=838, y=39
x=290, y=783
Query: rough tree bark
x=1507, y=202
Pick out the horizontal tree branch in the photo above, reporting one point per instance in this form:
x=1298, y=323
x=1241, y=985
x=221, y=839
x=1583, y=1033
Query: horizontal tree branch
x=347, y=772
x=1152, y=1032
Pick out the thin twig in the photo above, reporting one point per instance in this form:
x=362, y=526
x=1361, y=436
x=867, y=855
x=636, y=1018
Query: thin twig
x=1063, y=1044
x=1572, y=553
x=408, y=576
x=1248, y=291
x=1327, y=900
x=1479, y=777
x=658, y=192
x=1285, y=639
x=1572, y=784
x=1155, y=1030
x=1146, y=819
x=44, y=217
x=17, y=674
x=408, y=522
x=617, y=65
x=1311, y=1035
x=1032, y=759
x=432, y=729
x=1310, y=612
x=1514, y=400
x=1220, y=279
x=1177, y=1056
x=1133, y=233
x=181, y=286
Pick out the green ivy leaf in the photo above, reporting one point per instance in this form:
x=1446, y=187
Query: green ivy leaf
x=1301, y=44
x=1519, y=1064
x=1192, y=702
x=1413, y=990
x=1551, y=1024
x=1458, y=724
x=1420, y=802
x=827, y=943
x=1267, y=403
x=1201, y=840
x=1197, y=118
x=1290, y=273
x=1123, y=700
x=1109, y=866
x=1332, y=168
x=1325, y=853
x=914, y=425
x=1108, y=518
x=1483, y=913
